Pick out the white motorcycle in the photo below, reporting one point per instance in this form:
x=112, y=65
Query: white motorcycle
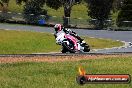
x=70, y=43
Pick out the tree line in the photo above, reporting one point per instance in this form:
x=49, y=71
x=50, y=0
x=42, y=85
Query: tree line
x=97, y=9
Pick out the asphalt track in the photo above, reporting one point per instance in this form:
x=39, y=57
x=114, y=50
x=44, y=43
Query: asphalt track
x=125, y=36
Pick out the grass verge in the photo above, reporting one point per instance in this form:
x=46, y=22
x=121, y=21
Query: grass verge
x=62, y=74
x=23, y=42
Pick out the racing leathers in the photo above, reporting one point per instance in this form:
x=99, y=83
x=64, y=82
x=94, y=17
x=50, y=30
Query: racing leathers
x=72, y=33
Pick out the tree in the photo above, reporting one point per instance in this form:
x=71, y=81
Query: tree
x=35, y=6
x=33, y=9
x=4, y=4
x=4, y=8
x=117, y=5
x=20, y=1
x=100, y=10
x=125, y=14
x=67, y=4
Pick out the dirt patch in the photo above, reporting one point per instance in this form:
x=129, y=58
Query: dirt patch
x=56, y=58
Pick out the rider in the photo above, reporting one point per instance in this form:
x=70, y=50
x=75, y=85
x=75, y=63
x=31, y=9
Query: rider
x=59, y=27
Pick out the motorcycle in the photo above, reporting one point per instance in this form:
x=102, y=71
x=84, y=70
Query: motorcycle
x=70, y=44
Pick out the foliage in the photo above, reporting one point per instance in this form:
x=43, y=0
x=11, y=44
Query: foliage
x=55, y=4
x=4, y=4
x=67, y=4
x=99, y=10
x=20, y=1
x=116, y=5
x=33, y=9
x=4, y=1
x=125, y=14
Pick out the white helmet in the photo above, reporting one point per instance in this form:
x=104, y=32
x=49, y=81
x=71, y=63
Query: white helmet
x=58, y=27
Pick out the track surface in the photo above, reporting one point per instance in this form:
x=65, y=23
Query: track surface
x=115, y=35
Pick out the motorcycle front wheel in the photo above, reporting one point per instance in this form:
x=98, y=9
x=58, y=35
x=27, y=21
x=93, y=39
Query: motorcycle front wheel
x=86, y=48
x=69, y=47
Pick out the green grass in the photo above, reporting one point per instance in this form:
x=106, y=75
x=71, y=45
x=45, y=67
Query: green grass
x=96, y=43
x=14, y=42
x=61, y=74
x=23, y=42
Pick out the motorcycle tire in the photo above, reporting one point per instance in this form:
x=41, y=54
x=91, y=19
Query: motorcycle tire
x=64, y=50
x=86, y=48
x=64, y=44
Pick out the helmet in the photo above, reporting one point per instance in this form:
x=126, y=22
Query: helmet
x=58, y=27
